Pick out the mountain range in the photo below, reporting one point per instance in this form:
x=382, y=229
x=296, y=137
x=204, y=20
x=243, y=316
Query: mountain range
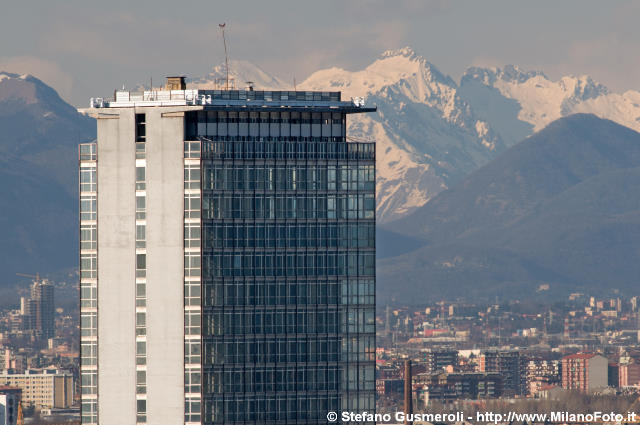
x=39, y=136
x=431, y=131
x=431, y=134
x=561, y=208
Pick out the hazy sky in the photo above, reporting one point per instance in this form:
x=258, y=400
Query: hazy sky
x=87, y=48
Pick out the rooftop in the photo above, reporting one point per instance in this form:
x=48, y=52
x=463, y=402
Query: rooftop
x=583, y=356
x=242, y=99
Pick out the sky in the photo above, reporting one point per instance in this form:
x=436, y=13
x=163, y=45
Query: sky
x=86, y=48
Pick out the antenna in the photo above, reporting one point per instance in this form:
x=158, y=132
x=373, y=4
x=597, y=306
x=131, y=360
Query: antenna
x=226, y=56
x=294, y=84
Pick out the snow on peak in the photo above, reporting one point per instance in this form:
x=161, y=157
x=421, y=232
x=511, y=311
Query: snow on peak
x=543, y=100
x=392, y=67
x=4, y=75
x=406, y=51
x=490, y=75
x=242, y=72
x=582, y=87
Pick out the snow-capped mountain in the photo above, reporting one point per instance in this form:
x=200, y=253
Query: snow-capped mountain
x=431, y=131
x=240, y=73
x=542, y=100
x=427, y=136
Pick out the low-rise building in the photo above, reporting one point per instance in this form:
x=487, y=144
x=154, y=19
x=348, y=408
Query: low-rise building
x=542, y=373
x=390, y=386
x=42, y=388
x=447, y=387
x=437, y=359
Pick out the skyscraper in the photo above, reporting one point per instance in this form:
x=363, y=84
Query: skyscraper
x=39, y=309
x=227, y=258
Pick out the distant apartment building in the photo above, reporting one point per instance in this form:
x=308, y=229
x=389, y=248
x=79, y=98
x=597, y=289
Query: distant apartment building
x=5, y=358
x=628, y=375
x=38, y=310
x=10, y=360
x=510, y=365
x=447, y=387
x=42, y=389
x=437, y=359
x=541, y=374
x=9, y=402
x=584, y=372
x=390, y=386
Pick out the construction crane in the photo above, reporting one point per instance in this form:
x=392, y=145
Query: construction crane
x=33, y=276
x=226, y=56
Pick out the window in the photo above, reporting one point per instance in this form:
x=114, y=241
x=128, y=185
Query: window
x=140, y=178
x=88, y=266
x=140, y=236
x=88, y=180
x=140, y=150
x=141, y=206
x=88, y=236
x=141, y=131
x=191, y=235
x=192, y=176
x=141, y=265
x=141, y=382
x=88, y=207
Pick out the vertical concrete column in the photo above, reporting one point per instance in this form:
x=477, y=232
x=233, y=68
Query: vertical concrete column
x=116, y=268
x=165, y=265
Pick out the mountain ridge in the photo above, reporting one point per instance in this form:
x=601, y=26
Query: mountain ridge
x=535, y=214
x=489, y=109
x=38, y=176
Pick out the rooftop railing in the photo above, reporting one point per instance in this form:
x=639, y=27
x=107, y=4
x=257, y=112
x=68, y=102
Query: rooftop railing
x=208, y=97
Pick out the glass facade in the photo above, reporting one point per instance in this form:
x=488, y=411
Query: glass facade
x=281, y=210
x=88, y=283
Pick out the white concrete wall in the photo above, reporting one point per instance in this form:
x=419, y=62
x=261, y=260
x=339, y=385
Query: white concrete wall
x=165, y=270
x=116, y=269
x=598, y=373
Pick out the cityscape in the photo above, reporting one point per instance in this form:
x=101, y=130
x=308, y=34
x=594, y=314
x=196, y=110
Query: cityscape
x=364, y=212
x=463, y=356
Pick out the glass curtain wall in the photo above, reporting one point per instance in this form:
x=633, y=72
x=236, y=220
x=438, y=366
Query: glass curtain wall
x=288, y=266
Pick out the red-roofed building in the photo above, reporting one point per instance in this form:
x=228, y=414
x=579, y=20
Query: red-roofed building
x=584, y=372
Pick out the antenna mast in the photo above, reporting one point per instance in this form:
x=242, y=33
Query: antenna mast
x=226, y=56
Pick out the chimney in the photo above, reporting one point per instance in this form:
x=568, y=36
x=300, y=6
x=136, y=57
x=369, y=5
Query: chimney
x=408, y=393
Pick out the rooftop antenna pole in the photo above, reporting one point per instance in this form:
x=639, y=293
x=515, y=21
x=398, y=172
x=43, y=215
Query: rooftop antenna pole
x=226, y=56
x=294, y=84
